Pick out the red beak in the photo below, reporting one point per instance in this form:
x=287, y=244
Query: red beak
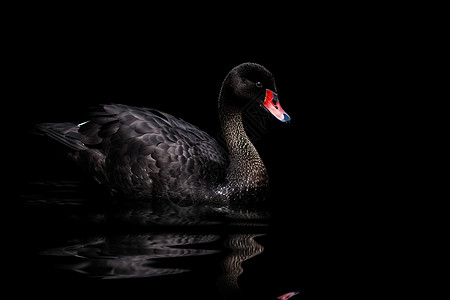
x=287, y=296
x=272, y=105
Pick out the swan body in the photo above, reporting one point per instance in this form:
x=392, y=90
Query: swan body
x=144, y=153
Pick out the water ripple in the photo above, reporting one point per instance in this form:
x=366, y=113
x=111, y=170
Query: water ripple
x=132, y=255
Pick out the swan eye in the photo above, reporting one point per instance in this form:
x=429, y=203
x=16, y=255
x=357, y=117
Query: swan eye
x=259, y=84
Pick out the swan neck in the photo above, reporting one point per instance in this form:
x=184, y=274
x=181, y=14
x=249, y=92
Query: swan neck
x=233, y=130
x=246, y=170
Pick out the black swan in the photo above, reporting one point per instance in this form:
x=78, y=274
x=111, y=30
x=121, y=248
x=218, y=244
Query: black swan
x=144, y=153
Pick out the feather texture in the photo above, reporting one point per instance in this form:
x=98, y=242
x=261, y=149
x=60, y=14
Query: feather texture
x=144, y=152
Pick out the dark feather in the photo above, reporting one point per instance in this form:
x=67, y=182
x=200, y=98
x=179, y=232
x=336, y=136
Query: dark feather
x=65, y=133
x=141, y=147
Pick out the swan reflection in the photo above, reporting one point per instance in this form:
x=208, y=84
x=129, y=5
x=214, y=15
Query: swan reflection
x=132, y=255
x=143, y=245
x=145, y=255
x=243, y=247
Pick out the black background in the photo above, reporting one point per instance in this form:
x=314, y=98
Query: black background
x=332, y=79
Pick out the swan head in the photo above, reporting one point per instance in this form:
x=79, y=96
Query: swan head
x=249, y=84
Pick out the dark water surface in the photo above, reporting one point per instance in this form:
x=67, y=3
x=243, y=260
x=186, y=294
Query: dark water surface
x=73, y=239
x=335, y=171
